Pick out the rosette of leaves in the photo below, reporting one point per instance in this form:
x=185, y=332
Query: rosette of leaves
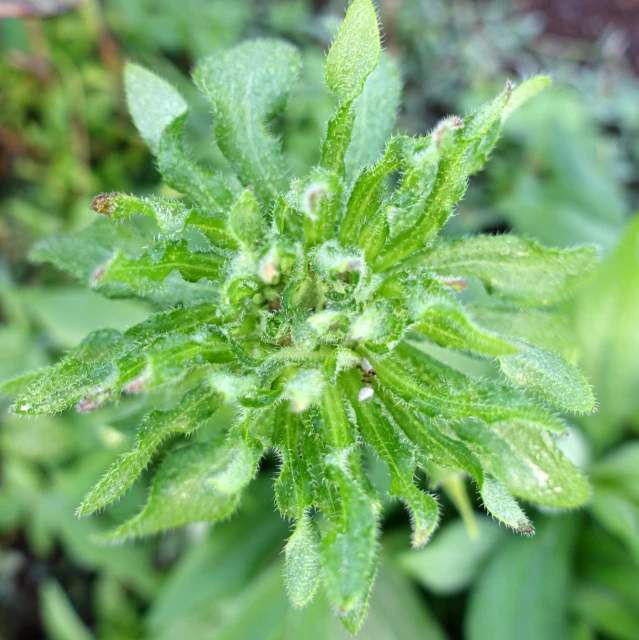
x=308, y=306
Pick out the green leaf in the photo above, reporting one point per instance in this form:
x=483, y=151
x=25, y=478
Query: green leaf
x=180, y=172
x=302, y=562
x=223, y=564
x=524, y=92
x=123, y=274
x=194, y=409
x=618, y=515
x=501, y=610
x=153, y=103
x=398, y=611
x=214, y=226
x=435, y=446
x=513, y=269
x=606, y=611
x=453, y=560
x=445, y=321
x=339, y=131
x=348, y=550
x=375, y=115
x=236, y=465
x=500, y=504
x=480, y=122
x=245, y=221
x=170, y=216
x=84, y=252
x=620, y=469
x=89, y=370
x=180, y=495
x=248, y=85
x=354, y=53
x=528, y=462
x=368, y=192
x=549, y=376
x=292, y=487
x=605, y=318
x=319, y=201
x=385, y=438
x=461, y=148
x=546, y=328
x=60, y=619
x=428, y=385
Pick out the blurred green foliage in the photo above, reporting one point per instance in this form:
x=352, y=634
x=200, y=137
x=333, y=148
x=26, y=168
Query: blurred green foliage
x=65, y=136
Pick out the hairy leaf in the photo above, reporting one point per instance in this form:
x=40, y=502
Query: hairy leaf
x=247, y=86
x=205, y=186
x=379, y=432
x=514, y=269
x=302, y=569
x=375, y=115
x=355, y=51
x=441, y=392
x=195, y=408
x=153, y=103
x=461, y=146
x=524, y=92
x=527, y=461
x=180, y=495
x=348, y=550
x=550, y=376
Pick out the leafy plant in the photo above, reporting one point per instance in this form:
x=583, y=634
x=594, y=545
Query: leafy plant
x=313, y=308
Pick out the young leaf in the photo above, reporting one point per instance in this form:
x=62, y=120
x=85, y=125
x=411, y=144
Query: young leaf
x=461, y=147
x=292, y=487
x=348, y=550
x=368, y=191
x=513, y=269
x=246, y=86
x=355, y=51
x=339, y=130
x=302, y=562
x=153, y=103
x=378, y=431
x=417, y=379
x=550, y=376
x=195, y=408
x=179, y=495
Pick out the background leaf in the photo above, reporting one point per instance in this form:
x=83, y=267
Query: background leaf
x=501, y=609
